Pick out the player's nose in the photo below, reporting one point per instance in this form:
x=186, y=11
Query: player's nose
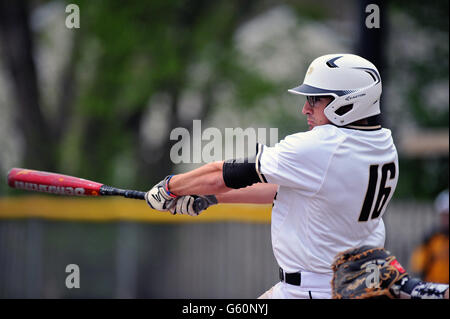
x=306, y=108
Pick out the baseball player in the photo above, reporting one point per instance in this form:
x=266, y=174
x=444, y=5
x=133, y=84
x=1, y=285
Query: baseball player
x=329, y=186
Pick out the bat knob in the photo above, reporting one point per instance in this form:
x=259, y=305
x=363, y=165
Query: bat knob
x=203, y=202
x=199, y=205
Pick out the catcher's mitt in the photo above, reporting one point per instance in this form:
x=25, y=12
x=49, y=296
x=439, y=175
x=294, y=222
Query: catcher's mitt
x=366, y=272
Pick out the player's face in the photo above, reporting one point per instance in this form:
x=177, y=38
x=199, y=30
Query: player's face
x=313, y=109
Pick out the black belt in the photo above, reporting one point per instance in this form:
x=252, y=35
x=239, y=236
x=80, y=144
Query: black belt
x=294, y=278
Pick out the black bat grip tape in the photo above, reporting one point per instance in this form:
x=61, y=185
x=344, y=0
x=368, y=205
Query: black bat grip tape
x=134, y=194
x=106, y=190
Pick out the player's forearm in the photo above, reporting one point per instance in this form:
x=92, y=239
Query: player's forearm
x=254, y=194
x=204, y=180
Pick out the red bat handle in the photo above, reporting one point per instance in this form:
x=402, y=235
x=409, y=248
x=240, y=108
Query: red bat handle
x=53, y=183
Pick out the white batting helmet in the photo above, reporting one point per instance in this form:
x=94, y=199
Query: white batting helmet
x=352, y=81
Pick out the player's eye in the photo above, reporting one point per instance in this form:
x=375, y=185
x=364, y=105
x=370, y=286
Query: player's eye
x=312, y=100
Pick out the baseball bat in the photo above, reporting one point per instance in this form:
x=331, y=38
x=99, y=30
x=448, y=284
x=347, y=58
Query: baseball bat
x=53, y=183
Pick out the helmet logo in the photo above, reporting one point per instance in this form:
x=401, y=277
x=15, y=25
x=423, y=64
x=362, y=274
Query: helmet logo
x=331, y=63
x=348, y=98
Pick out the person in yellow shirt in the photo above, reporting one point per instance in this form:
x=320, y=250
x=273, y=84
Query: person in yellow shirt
x=430, y=259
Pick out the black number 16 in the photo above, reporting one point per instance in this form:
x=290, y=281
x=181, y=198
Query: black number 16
x=383, y=192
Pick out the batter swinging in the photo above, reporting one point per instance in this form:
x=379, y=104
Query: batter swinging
x=330, y=186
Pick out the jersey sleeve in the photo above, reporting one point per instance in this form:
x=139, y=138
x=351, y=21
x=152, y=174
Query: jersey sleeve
x=299, y=161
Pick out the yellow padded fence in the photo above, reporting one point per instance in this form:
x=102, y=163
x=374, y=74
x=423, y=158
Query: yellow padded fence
x=114, y=209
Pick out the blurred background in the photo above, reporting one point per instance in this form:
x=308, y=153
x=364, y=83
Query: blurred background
x=99, y=102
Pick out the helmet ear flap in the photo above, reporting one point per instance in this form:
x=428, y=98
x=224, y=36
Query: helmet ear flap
x=344, y=109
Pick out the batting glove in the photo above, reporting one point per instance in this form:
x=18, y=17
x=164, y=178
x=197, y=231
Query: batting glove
x=192, y=204
x=159, y=197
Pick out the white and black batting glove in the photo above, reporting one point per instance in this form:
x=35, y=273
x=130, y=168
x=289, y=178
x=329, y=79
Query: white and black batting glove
x=192, y=204
x=159, y=197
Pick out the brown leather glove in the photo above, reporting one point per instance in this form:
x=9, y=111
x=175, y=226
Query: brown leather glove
x=367, y=272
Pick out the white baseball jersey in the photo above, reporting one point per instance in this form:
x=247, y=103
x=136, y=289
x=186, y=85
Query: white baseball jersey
x=334, y=186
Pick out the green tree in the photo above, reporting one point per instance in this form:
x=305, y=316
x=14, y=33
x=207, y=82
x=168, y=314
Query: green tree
x=123, y=54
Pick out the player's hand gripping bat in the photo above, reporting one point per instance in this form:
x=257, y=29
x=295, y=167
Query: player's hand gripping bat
x=53, y=183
